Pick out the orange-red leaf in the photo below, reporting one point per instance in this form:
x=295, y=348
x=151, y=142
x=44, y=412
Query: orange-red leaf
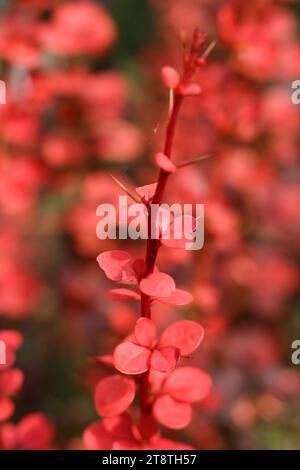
x=164, y=359
x=113, y=395
x=157, y=285
x=172, y=414
x=145, y=332
x=131, y=358
x=183, y=334
x=188, y=384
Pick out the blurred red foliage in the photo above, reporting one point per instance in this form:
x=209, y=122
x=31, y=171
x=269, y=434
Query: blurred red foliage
x=71, y=116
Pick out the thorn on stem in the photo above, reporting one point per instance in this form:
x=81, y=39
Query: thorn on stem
x=194, y=160
x=122, y=186
x=171, y=101
x=209, y=49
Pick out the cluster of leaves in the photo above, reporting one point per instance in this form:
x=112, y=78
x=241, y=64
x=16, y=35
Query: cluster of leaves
x=172, y=391
x=120, y=266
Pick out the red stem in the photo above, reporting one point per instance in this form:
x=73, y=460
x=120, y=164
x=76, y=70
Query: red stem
x=153, y=244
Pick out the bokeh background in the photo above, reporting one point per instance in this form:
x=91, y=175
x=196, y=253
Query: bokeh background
x=84, y=99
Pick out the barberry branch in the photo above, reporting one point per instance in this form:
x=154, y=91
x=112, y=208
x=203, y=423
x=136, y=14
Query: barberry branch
x=191, y=62
x=144, y=352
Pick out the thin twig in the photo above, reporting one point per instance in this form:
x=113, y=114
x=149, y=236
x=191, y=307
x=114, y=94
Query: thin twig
x=209, y=49
x=133, y=197
x=194, y=160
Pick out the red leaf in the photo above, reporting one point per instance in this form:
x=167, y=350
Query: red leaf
x=157, y=285
x=190, y=90
x=126, y=445
x=12, y=338
x=113, y=395
x=164, y=163
x=117, y=265
x=8, y=435
x=146, y=192
x=170, y=77
x=164, y=359
x=105, y=359
x=122, y=294
x=131, y=358
x=11, y=381
x=188, y=384
x=120, y=427
x=168, y=444
x=178, y=297
x=102, y=434
x=7, y=408
x=35, y=432
x=95, y=437
x=183, y=334
x=145, y=332
x=172, y=414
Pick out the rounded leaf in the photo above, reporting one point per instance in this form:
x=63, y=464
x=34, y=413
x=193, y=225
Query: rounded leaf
x=146, y=192
x=188, y=384
x=186, y=335
x=190, y=90
x=117, y=265
x=12, y=338
x=164, y=163
x=120, y=427
x=8, y=435
x=122, y=294
x=7, y=408
x=11, y=381
x=102, y=434
x=131, y=358
x=35, y=432
x=172, y=414
x=104, y=359
x=170, y=77
x=95, y=437
x=145, y=332
x=123, y=444
x=168, y=444
x=179, y=297
x=157, y=285
x=164, y=359
x=113, y=395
